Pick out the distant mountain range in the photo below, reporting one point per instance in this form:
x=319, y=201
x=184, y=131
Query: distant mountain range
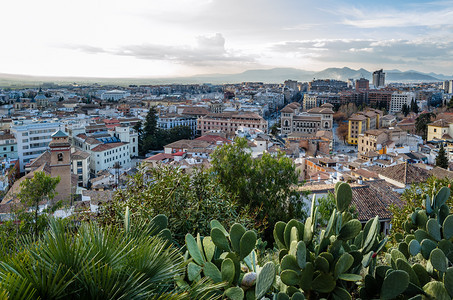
x=276, y=75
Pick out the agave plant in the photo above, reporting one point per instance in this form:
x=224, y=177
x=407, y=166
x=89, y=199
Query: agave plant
x=93, y=262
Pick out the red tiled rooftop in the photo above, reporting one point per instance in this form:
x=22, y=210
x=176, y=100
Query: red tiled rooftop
x=105, y=147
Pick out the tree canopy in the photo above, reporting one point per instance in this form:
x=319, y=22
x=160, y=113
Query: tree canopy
x=264, y=184
x=421, y=123
x=35, y=190
x=151, y=137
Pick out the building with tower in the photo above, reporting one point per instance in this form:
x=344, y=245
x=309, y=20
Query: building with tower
x=55, y=162
x=318, y=118
x=60, y=164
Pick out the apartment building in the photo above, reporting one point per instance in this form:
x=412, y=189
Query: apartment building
x=229, y=122
x=310, y=101
x=362, y=121
x=381, y=140
x=33, y=138
x=80, y=166
x=105, y=156
x=8, y=146
x=169, y=121
x=356, y=126
x=399, y=99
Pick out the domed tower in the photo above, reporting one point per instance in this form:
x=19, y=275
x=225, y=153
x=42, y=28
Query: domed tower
x=60, y=164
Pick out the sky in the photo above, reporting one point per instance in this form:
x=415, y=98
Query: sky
x=173, y=38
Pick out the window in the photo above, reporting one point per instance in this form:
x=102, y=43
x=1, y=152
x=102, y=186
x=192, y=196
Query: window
x=435, y=130
x=79, y=171
x=79, y=163
x=60, y=156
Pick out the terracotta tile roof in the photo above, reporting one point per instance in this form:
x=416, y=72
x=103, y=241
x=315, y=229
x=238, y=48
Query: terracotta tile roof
x=441, y=173
x=405, y=173
x=370, y=198
x=321, y=110
x=188, y=144
x=356, y=117
x=159, y=157
x=365, y=173
x=105, y=147
x=79, y=154
x=213, y=139
x=40, y=160
x=374, y=198
x=194, y=110
x=287, y=109
x=383, y=162
x=439, y=123
x=407, y=121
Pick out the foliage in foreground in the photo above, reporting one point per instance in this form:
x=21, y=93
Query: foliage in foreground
x=190, y=201
x=265, y=184
x=414, y=197
x=92, y=262
x=421, y=265
x=311, y=264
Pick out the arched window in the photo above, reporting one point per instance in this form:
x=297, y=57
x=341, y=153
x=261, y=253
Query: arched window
x=286, y=123
x=60, y=156
x=326, y=125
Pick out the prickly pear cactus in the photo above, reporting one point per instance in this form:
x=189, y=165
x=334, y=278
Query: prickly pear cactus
x=326, y=263
x=228, y=257
x=428, y=241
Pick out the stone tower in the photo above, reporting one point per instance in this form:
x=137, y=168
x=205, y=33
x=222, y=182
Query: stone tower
x=60, y=164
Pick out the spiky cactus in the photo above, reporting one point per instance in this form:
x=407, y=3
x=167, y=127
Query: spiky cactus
x=229, y=257
x=428, y=239
x=327, y=263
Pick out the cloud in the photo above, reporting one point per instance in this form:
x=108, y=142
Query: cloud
x=208, y=51
x=420, y=52
x=421, y=15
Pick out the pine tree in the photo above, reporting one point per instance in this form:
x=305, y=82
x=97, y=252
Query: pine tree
x=441, y=158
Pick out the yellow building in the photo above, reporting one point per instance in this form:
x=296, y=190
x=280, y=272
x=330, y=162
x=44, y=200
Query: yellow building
x=357, y=125
x=439, y=130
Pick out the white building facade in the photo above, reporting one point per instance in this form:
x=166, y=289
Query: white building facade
x=115, y=95
x=399, y=99
x=128, y=135
x=104, y=156
x=33, y=139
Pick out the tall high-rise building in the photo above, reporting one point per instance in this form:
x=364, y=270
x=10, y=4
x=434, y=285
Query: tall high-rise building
x=448, y=86
x=379, y=78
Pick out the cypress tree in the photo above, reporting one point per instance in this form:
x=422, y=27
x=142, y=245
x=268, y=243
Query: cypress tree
x=441, y=158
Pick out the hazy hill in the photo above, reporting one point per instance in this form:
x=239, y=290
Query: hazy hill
x=275, y=75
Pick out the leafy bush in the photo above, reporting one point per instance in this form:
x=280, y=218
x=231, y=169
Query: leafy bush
x=190, y=201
